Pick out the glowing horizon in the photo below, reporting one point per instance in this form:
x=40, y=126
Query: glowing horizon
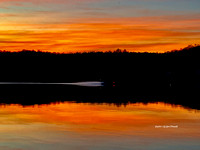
x=98, y=25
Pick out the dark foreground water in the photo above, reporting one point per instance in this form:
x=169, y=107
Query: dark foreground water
x=92, y=126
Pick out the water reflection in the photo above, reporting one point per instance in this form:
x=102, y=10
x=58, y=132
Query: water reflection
x=82, y=126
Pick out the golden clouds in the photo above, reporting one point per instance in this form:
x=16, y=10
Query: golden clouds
x=133, y=34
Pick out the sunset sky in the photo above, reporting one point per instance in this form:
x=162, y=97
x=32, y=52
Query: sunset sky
x=98, y=25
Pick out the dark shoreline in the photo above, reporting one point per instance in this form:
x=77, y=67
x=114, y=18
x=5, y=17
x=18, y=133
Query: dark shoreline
x=173, y=77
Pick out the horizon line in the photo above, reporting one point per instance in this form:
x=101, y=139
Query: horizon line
x=118, y=50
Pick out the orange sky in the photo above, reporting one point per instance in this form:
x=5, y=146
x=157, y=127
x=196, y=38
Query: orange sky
x=94, y=25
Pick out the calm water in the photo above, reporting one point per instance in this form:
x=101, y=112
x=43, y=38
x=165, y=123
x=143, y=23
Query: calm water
x=86, y=126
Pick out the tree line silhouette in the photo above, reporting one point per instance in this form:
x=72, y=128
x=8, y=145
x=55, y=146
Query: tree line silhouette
x=171, y=74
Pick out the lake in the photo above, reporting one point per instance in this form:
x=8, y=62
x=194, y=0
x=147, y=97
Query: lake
x=99, y=126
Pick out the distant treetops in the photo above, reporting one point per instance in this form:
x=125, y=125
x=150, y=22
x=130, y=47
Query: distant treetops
x=32, y=52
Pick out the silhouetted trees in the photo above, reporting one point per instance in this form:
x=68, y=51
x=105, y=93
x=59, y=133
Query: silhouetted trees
x=133, y=73
x=172, y=76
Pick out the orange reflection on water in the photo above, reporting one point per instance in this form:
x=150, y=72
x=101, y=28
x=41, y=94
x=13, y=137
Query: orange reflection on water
x=131, y=119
